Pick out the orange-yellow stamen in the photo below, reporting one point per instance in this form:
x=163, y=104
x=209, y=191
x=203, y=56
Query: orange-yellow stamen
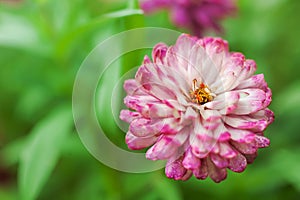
x=201, y=94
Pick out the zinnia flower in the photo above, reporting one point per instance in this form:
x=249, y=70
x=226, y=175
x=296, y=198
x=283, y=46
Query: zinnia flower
x=196, y=15
x=198, y=106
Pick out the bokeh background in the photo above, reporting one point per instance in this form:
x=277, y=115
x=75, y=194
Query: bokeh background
x=42, y=45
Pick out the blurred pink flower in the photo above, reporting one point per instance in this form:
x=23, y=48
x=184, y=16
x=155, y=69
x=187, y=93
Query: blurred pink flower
x=196, y=15
x=199, y=106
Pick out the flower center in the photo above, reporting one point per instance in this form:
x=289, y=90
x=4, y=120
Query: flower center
x=201, y=94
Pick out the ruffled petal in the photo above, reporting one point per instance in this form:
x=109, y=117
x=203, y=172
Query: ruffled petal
x=215, y=173
x=151, y=83
x=245, y=148
x=219, y=161
x=167, y=145
x=161, y=150
x=132, y=87
x=139, y=103
x=159, y=53
x=201, y=66
x=225, y=150
x=261, y=142
x=250, y=122
x=129, y=116
x=256, y=81
x=250, y=157
x=179, y=54
x=190, y=161
x=143, y=127
x=241, y=136
x=161, y=110
x=202, y=171
x=226, y=103
x=201, y=141
x=175, y=170
x=237, y=163
x=247, y=71
x=136, y=143
x=251, y=100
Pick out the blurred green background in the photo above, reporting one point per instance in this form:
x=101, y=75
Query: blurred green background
x=42, y=45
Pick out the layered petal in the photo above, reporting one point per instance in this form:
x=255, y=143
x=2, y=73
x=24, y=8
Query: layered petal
x=190, y=161
x=142, y=127
x=167, y=145
x=215, y=173
x=254, y=122
x=251, y=101
x=237, y=163
x=129, y=116
x=202, y=171
x=176, y=171
x=136, y=143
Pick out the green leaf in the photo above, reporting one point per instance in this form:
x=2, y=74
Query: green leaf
x=124, y=13
x=94, y=24
x=42, y=151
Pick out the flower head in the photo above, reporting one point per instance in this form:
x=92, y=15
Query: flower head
x=198, y=106
x=197, y=15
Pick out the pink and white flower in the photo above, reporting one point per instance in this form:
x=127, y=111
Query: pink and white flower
x=198, y=106
x=196, y=15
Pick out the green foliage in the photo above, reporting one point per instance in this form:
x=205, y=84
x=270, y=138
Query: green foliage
x=42, y=45
x=41, y=151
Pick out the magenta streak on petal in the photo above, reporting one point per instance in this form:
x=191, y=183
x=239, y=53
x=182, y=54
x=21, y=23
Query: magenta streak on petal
x=256, y=81
x=129, y=116
x=250, y=122
x=224, y=137
x=175, y=170
x=219, y=161
x=190, y=161
x=226, y=151
x=159, y=53
x=237, y=163
x=136, y=143
x=261, y=141
x=162, y=149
